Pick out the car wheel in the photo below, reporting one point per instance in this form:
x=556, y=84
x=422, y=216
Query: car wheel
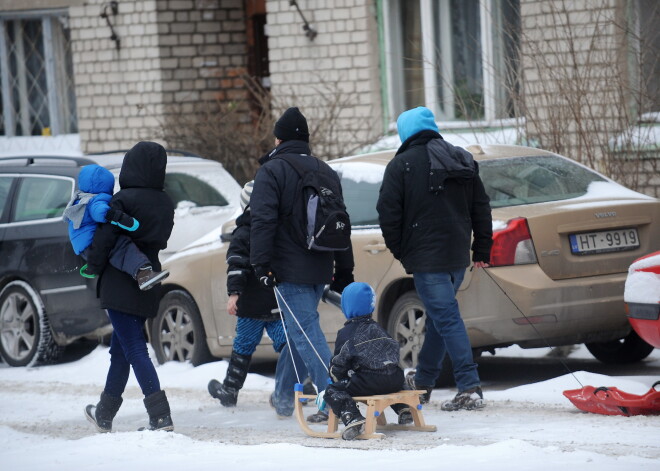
x=630, y=349
x=177, y=332
x=25, y=335
x=406, y=325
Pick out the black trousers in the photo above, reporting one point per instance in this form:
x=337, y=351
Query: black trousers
x=339, y=395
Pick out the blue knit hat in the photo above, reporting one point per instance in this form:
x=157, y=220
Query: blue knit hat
x=413, y=121
x=358, y=299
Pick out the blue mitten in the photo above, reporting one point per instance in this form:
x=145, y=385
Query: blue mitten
x=320, y=402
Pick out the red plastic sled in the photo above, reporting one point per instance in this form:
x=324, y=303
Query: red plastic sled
x=612, y=401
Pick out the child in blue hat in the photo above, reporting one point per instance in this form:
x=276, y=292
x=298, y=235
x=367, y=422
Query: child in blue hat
x=365, y=362
x=91, y=207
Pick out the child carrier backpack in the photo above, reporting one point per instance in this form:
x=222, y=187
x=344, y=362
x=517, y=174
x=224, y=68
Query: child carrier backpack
x=319, y=221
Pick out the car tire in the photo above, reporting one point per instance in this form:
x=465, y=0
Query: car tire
x=25, y=335
x=177, y=331
x=629, y=349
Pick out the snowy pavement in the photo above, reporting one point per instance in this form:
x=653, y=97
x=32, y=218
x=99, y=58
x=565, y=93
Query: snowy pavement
x=526, y=427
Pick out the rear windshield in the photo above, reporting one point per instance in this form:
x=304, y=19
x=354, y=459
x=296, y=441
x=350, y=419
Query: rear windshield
x=537, y=179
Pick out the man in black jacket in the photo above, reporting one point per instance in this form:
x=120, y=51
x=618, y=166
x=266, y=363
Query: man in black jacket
x=431, y=202
x=279, y=257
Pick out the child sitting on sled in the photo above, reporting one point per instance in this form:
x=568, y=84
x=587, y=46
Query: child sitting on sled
x=90, y=207
x=365, y=362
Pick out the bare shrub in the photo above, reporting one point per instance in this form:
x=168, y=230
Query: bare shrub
x=237, y=133
x=584, y=90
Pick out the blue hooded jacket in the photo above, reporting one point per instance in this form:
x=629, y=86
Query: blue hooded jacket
x=98, y=181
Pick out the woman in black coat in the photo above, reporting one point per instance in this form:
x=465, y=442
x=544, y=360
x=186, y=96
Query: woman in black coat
x=142, y=179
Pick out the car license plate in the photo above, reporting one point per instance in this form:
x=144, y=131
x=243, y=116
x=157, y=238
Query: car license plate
x=604, y=241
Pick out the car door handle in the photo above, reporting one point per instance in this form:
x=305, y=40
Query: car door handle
x=374, y=248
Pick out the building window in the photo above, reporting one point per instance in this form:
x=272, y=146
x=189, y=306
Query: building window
x=457, y=57
x=647, y=29
x=37, y=95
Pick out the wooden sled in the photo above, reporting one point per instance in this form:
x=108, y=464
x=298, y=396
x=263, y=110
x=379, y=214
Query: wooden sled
x=375, y=415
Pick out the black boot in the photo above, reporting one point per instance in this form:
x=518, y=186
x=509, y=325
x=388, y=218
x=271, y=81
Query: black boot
x=101, y=414
x=227, y=392
x=159, y=412
x=353, y=423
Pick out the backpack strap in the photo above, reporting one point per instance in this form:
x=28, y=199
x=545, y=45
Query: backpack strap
x=299, y=167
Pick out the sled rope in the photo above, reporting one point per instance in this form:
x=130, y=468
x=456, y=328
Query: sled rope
x=279, y=296
x=535, y=329
x=286, y=336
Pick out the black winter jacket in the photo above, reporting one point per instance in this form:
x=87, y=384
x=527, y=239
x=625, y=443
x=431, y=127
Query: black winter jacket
x=271, y=243
x=256, y=301
x=363, y=346
x=141, y=179
x=431, y=202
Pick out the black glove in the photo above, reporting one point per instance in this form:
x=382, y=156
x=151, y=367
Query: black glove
x=341, y=279
x=265, y=275
x=121, y=219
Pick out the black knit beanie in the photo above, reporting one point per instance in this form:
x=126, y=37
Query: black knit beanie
x=291, y=126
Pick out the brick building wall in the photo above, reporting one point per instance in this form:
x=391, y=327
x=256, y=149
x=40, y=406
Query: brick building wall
x=176, y=56
x=572, y=69
x=335, y=75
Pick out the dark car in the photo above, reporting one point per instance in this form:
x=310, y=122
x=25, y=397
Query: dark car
x=44, y=302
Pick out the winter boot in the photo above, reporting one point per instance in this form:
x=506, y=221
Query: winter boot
x=318, y=417
x=410, y=382
x=405, y=416
x=353, y=424
x=159, y=412
x=227, y=392
x=147, y=278
x=101, y=414
x=309, y=389
x=469, y=400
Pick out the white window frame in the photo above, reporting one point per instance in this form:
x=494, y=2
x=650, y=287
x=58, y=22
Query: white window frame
x=442, y=106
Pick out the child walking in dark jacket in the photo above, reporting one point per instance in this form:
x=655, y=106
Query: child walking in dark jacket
x=255, y=306
x=365, y=362
x=91, y=207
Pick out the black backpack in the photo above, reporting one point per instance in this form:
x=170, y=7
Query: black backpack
x=319, y=221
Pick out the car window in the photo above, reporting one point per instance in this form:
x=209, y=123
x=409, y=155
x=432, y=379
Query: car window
x=360, y=183
x=185, y=187
x=536, y=179
x=42, y=198
x=5, y=184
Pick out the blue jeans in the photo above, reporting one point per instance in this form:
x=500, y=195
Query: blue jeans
x=286, y=379
x=248, y=335
x=445, y=331
x=128, y=348
x=303, y=300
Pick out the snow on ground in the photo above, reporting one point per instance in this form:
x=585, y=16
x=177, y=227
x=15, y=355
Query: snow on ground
x=530, y=427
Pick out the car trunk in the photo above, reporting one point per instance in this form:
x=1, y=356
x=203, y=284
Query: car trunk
x=589, y=237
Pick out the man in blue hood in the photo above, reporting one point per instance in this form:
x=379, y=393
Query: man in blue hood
x=431, y=203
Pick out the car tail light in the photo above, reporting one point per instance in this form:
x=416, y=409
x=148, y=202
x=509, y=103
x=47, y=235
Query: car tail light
x=512, y=245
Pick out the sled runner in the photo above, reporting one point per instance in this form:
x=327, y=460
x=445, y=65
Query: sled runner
x=375, y=415
x=612, y=401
